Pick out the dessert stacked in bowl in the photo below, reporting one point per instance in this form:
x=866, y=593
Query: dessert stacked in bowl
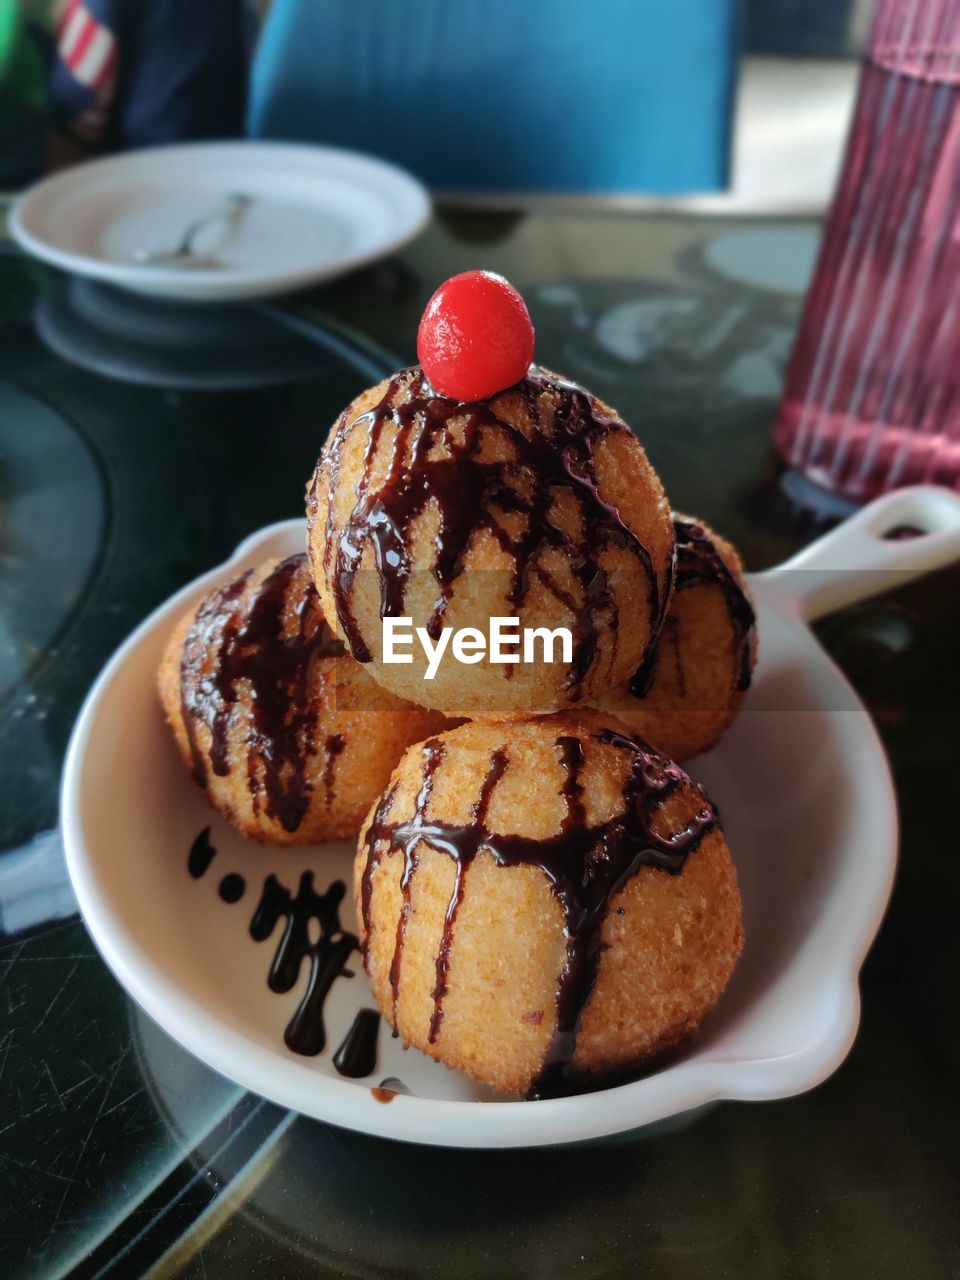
x=485, y=666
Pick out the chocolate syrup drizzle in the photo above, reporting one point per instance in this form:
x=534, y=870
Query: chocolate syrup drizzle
x=232, y=887
x=234, y=640
x=304, y=913
x=699, y=563
x=357, y=1055
x=586, y=865
x=334, y=744
x=201, y=854
x=434, y=460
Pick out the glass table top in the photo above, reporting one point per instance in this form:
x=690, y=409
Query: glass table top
x=137, y=447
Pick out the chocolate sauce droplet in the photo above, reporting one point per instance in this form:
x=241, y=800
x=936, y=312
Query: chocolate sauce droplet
x=232, y=887
x=436, y=461
x=327, y=955
x=357, y=1055
x=236, y=643
x=201, y=854
x=586, y=866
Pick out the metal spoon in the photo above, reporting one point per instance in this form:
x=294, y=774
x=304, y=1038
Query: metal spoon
x=184, y=257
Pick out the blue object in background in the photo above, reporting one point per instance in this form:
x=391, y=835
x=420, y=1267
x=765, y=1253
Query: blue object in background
x=542, y=95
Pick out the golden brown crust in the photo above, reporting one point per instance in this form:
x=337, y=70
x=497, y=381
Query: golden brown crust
x=694, y=696
x=626, y=482
x=671, y=941
x=358, y=729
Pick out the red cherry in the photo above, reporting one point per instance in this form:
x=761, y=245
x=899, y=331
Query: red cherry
x=475, y=338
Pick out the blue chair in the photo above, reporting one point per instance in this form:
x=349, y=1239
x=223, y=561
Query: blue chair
x=531, y=96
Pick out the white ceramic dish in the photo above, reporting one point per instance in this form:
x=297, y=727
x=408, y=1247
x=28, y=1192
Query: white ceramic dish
x=314, y=212
x=807, y=803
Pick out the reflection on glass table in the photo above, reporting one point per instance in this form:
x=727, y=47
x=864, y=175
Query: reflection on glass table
x=115, y=493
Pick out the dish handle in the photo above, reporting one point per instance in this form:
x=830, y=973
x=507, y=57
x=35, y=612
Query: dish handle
x=900, y=536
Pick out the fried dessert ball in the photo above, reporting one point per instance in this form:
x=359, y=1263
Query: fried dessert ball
x=545, y=904
x=687, y=693
x=290, y=739
x=538, y=503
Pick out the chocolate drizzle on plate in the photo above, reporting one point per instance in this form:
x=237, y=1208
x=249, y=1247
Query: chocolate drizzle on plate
x=232, y=887
x=586, y=865
x=357, y=1055
x=311, y=932
x=201, y=854
x=699, y=563
x=265, y=642
x=436, y=459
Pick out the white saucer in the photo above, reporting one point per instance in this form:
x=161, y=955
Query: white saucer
x=314, y=212
x=807, y=804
